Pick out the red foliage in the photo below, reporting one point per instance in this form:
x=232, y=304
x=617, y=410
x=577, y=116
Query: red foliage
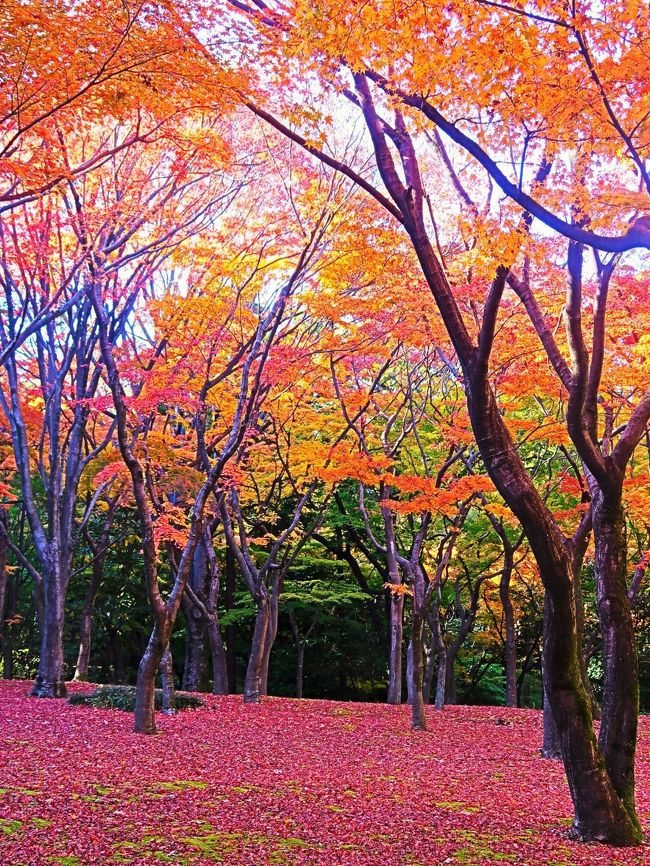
x=286, y=782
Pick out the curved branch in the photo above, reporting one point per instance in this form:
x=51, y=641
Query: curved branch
x=578, y=428
x=490, y=313
x=636, y=236
x=523, y=292
x=593, y=72
x=633, y=432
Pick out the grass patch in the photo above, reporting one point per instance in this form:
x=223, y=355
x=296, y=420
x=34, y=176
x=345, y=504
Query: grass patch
x=41, y=823
x=125, y=851
x=457, y=806
x=282, y=848
x=478, y=846
x=244, y=789
x=213, y=845
x=179, y=785
x=101, y=793
x=123, y=698
x=26, y=792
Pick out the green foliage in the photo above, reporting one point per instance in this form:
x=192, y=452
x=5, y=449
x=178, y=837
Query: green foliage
x=123, y=698
x=340, y=614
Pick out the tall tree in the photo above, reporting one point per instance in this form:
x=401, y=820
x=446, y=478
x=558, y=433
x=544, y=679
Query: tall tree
x=600, y=774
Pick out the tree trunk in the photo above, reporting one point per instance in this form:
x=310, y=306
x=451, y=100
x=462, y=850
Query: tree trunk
x=301, y=644
x=219, y=658
x=430, y=666
x=11, y=608
x=256, y=659
x=618, y=727
x=440, y=648
x=85, y=625
x=194, y=662
x=418, y=718
x=394, y=695
x=580, y=623
x=551, y=746
x=4, y=576
x=599, y=813
x=99, y=551
x=271, y=631
x=231, y=628
x=396, y=602
x=8, y=630
x=145, y=715
x=409, y=673
x=300, y=667
x=201, y=614
x=50, y=681
x=168, y=688
x=467, y=617
x=551, y=738
x=85, y=632
x=510, y=641
x=451, y=696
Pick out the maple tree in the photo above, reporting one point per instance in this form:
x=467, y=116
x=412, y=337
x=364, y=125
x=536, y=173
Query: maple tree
x=222, y=414
x=45, y=394
x=348, y=53
x=400, y=403
x=65, y=61
x=111, y=68
x=50, y=252
x=265, y=517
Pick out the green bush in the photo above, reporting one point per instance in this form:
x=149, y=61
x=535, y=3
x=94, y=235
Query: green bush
x=123, y=698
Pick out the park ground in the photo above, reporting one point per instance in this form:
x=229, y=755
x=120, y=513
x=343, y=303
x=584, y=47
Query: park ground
x=316, y=783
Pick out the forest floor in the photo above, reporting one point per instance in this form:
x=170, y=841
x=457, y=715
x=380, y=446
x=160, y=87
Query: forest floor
x=286, y=782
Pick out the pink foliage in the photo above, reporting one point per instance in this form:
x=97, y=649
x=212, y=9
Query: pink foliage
x=317, y=783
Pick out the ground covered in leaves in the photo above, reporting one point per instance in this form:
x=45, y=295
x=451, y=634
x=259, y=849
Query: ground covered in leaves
x=289, y=782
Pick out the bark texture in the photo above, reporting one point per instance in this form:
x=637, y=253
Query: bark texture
x=168, y=687
x=394, y=692
x=258, y=648
x=418, y=717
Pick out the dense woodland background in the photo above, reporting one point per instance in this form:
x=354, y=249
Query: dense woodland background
x=346, y=653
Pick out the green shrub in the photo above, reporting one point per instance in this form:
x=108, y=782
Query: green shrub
x=123, y=698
